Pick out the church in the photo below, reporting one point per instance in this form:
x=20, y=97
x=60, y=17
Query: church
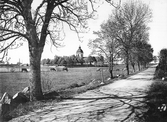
x=79, y=53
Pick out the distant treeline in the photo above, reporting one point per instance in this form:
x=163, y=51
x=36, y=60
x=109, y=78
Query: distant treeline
x=74, y=61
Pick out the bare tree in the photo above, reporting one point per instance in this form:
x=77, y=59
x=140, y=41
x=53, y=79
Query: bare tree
x=105, y=45
x=126, y=24
x=18, y=21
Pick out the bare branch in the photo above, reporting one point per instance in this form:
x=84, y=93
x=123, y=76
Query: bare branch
x=37, y=10
x=5, y=48
x=116, y=5
x=13, y=32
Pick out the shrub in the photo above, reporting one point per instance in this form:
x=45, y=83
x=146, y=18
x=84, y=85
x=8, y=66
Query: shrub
x=161, y=69
x=159, y=87
x=163, y=56
x=156, y=102
x=159, y=73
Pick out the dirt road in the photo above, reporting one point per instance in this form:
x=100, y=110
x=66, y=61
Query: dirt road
x=116, y=102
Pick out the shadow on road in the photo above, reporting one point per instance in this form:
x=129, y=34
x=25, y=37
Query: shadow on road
x=124, y=108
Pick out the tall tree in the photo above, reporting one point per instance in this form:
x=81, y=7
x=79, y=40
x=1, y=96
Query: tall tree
x=105, y=45
x=126, y=23
x=18, y=21
x=140, y=45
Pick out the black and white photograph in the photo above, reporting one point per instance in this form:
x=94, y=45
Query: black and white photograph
x=83, y=60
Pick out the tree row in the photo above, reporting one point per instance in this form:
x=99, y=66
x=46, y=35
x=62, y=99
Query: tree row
x=125, y=36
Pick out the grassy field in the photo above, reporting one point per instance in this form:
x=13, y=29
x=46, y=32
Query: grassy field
x=12, y=82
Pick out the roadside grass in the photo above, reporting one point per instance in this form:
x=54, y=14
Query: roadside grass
x=13, y=82
x=28, y=107
x=155, y=103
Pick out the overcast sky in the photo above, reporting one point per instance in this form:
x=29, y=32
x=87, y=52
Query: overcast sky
x=158, y=34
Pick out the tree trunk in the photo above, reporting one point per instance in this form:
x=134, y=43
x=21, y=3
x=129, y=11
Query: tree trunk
x=138, y=66
x=127, y=64
x=145, y=65
x=133, y=66
x=111, y=66
x=127, y=68
x=35, y=74
x=111, y=74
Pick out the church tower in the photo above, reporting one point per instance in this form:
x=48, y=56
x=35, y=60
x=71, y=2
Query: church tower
x=79, y=52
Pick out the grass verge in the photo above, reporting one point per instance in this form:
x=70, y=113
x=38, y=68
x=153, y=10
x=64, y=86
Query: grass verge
x=156, y=103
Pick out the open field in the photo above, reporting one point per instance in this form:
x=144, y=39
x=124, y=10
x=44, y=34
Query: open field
x=12, y=82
